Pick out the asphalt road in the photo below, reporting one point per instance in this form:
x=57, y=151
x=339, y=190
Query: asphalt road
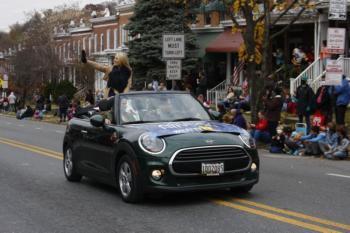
x=295, y=194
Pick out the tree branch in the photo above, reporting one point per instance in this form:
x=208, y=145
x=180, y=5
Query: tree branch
x=235, y=22
x=284, y=12
x=290, y=23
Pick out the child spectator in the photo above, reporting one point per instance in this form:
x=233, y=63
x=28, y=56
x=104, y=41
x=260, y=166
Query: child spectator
x=238, y=119
x=340, y=151
x=277, y=142
x=312, y=145
x=260, y=131
x=331, y=138
x=293, y=144
x=227, y=118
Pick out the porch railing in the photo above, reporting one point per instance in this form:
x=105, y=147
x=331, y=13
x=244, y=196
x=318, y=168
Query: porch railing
x=217, y=93
x=313, y=71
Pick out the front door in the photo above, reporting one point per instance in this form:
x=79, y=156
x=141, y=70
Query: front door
x=97, y=151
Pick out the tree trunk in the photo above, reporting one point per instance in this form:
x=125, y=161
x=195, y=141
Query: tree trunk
x=254, y=90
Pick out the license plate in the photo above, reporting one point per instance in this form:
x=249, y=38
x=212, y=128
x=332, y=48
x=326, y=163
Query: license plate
x=212, y=169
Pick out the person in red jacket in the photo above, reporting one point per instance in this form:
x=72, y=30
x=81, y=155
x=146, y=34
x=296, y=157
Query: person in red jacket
x=260, y=131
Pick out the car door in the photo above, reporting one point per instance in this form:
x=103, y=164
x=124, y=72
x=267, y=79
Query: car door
x=97, y=151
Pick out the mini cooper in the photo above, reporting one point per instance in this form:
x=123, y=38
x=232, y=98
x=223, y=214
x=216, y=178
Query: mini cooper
x=159, y=142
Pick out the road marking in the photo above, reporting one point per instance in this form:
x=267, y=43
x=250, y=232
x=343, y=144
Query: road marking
x=275, y=217
x=53, y=154
x=13, y=142
x=21, y=125
x=294, y=214
x=338, y=175
x=31, y=149
x=59, y=131
x=38, y=128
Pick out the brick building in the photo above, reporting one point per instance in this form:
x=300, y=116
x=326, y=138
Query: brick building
x=100, y=37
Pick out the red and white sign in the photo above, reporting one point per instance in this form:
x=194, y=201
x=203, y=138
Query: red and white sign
x=334, y=72
x=336, y=40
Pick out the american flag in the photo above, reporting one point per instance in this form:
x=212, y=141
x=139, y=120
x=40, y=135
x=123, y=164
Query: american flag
x=236, y=73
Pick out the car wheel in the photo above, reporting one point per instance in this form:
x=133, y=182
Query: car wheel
x=69, y=166
x=242, y=189
x=129, y=183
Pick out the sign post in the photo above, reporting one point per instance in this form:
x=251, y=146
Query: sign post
x=173, y=52
x=334, y=72
x=337, y=10
x=336, y=40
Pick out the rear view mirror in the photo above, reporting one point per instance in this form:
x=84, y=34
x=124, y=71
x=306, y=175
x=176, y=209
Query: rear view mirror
x=97, y=121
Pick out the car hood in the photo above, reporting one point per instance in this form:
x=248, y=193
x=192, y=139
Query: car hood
x=183, y=127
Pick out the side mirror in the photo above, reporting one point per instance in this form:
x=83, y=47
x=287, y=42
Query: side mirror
x=97, y=121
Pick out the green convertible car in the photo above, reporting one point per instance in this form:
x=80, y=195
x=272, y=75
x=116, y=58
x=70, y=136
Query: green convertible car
x=159, y=141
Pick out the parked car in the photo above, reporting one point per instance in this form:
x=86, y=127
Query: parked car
x=159, y=141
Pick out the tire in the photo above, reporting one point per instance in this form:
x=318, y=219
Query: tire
x=129, y=180
x=242, y=189
x=69, y=167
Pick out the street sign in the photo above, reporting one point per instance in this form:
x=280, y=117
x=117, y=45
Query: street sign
x=173, y=69
x=337, y=10
x=336, y=40
x=334, y=72
x=173, y=46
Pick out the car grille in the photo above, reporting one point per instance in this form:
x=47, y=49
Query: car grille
x=189, y=161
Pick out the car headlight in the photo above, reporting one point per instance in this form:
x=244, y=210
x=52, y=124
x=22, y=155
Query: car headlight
x=151, y=143
x=247, y=140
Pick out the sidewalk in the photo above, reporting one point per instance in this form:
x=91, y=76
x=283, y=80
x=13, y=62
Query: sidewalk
x=48, y=118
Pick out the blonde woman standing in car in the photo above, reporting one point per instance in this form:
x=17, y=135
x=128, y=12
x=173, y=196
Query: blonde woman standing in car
x=118, y=76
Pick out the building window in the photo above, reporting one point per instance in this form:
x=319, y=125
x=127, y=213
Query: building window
x=108, y=38
x=78, y=48
x=95, y=43
x=84, y=43
x=73, y=47
x=90, y=41
x=207, y=19
x=116, y=35
x=68, y=52
x=124, y=36
x=101, y=42
x=64, y=51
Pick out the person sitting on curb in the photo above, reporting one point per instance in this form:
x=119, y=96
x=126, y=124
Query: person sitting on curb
x=331, y=138
x=340, y=151
x=260, y=130
x=238, y=119
x=118, y=76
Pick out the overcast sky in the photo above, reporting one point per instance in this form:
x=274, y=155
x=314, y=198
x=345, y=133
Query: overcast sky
x=12, y=11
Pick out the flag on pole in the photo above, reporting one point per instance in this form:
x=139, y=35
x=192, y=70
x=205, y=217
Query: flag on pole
x=237, y=72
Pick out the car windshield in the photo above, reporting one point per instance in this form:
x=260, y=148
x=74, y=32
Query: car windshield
x=160, y=107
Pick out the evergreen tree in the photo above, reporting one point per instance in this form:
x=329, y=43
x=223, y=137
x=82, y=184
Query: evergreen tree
x=151, y=19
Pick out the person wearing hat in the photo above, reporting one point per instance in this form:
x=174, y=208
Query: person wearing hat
x=305, y=97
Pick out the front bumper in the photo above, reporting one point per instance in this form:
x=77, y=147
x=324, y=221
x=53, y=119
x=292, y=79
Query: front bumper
x=174, y=182
x=200, y=187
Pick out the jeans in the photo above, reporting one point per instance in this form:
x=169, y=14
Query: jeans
x=259, y=135
x=340, y=114
x=63, y=114
x=272, y=125
x=336, y=155
x=307, y=120
x=312, y=148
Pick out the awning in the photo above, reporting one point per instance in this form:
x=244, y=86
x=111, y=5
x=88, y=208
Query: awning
x=226, y=42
